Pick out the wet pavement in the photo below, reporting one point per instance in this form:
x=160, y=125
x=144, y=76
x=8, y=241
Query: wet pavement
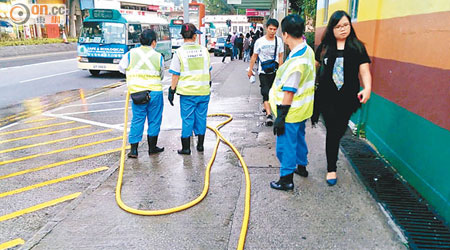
x=312, y=216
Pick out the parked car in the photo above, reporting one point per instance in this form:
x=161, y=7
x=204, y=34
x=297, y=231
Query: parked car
x=219, y=48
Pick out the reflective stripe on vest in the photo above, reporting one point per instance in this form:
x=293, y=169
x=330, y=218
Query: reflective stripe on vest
x=194, y=71
x=143, y=72
x=302, y=103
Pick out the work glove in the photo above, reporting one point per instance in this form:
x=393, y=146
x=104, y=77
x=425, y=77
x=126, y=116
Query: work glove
x=279, y=124
x=171, y=95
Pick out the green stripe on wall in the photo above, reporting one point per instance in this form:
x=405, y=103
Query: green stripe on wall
x=418, y=149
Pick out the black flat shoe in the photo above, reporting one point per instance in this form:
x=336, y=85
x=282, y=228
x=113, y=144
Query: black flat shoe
x=301, y=170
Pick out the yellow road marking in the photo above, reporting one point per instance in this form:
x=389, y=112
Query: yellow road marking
x=40, y=120
x=12, y=243
x=47, y=133
x=45, y=183
x=58, y=151
x=54, y=141
x=39, y=206
x=59, y=163
x=45, y=126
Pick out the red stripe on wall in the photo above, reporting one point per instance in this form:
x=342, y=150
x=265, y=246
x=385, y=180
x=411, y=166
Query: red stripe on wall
x=422, y=90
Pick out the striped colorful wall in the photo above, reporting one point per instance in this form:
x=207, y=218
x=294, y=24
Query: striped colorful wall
x=408, y=116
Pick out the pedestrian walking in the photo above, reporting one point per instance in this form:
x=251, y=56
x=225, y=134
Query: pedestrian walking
x=269, y=51
x=246, y=47
x=292, y=100
x=228, y=47
x=239, y=45
x=144, y=69
x=191, y=79
x=233, y=42
x=342, y=59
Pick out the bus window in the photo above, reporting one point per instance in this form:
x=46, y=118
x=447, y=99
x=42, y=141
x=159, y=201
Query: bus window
x=102, y=32
x=134, y=31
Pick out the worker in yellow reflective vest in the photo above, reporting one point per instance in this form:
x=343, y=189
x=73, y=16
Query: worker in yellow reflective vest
x=191, y=79
x=144, y=68
x=291, y=99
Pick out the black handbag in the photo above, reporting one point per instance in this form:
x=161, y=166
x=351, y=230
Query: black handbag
x=141, y=97
x=270, y=66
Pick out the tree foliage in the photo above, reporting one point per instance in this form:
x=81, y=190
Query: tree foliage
x=218, y=7
x=305, y=8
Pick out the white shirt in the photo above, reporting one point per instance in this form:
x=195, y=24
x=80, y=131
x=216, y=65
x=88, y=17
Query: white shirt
x=265, y=50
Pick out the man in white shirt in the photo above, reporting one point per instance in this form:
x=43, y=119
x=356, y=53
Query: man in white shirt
x=264, y=49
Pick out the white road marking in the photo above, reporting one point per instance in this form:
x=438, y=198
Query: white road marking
x=42, y=63
x=93, y=111
x=43, y=77
x=90, y=104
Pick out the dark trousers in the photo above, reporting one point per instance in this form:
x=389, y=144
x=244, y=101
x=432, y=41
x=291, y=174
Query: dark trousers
x=227, y=53
x=336, y=122
x=266, y=81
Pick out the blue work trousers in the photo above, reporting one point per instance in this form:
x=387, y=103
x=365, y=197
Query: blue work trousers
x=194, y=110
x=291, y=148
x=152, y=111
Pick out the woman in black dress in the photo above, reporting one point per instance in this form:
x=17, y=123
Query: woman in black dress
x=341, y=59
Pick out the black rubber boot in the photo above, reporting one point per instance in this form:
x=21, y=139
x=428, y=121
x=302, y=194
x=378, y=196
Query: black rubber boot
x=186, y=143
x=133, y=151
x=285, y=183
x=201, y=139
x=301, y=170
x=152, y=148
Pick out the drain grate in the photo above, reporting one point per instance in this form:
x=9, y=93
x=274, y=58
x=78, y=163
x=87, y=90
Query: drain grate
x=420, y=224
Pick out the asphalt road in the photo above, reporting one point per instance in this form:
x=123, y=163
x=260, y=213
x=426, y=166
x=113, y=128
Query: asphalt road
x=43, y=75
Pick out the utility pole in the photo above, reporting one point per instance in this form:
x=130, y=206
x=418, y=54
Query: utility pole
x=186, y=11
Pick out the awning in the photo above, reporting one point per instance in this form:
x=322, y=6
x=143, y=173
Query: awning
x=254, y=4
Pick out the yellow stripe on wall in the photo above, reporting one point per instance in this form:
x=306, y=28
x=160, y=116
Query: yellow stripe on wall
x=382, y=9
x=367, y=9
x=39, y=206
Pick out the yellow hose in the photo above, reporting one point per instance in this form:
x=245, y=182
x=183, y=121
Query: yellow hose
x=192, y=203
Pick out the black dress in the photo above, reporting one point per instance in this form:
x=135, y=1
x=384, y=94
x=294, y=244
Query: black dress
x=336, y=106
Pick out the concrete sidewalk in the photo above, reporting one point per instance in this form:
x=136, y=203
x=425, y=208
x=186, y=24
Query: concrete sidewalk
x=313, y=216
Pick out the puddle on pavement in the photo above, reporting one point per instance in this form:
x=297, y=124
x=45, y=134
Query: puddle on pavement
x=38, y=105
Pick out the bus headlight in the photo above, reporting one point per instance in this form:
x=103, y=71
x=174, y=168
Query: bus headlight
x=116, y=61
x=83, y=59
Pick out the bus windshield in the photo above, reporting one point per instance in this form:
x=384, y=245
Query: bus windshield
x=102, y=32
x=175, y=32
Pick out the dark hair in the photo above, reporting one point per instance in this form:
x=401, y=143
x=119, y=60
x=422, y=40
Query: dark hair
x=147, y=37
x=188, y=30
x=294, y=25
x=329, y=40
x=273, y=22
x=247, y=35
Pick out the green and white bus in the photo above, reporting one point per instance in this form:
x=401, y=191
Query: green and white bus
x=107, y=35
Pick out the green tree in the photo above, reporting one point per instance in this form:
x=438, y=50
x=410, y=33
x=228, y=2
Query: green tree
x=218, y=7
x=305, y=8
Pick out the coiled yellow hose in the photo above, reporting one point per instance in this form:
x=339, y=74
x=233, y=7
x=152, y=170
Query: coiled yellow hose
x=192, y=203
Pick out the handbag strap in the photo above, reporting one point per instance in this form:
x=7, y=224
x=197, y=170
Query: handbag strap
x=275, y=52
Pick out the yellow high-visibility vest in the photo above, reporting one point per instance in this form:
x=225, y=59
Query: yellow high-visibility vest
x=302, y=104
x=144, y=69
x=194, y=71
